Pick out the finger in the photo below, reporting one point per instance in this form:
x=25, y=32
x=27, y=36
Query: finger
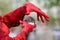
x=37, y=17
x=46, y=18
x=41, y=18
x=43, y=14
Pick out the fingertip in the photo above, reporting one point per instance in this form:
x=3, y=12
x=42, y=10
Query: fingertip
x=47, y=19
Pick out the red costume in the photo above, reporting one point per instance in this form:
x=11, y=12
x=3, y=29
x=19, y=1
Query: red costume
x=13, y=18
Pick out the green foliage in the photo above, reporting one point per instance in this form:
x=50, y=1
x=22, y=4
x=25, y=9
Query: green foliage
x=4, y=7
x=52, y=20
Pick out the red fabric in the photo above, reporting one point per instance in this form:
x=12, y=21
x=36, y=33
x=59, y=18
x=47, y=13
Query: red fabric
x=4, y=31
x=20, y=36
x=12, y=19
x=27, y=28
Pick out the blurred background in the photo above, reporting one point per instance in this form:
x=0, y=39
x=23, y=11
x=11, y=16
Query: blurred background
x=44, y=31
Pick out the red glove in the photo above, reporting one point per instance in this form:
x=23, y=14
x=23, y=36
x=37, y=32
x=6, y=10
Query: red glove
x=27, y=28
x=40, y=14
x=4, y=34
x=12, y=19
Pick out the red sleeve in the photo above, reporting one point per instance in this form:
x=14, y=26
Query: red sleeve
x=12, y=19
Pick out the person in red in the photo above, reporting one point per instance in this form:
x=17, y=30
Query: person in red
x=16, y=17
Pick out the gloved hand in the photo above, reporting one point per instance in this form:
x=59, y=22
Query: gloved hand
x=12, y=18
x=27, y=28
x=40, y=14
